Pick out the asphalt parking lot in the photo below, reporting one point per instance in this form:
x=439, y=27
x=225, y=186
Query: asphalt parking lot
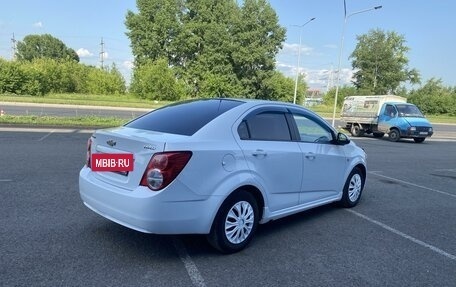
x=403, y=232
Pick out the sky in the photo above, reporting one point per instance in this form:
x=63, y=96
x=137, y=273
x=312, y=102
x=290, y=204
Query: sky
x=427, y=26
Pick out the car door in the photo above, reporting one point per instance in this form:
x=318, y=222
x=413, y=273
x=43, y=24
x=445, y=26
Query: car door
x=273, y=158
x=324, y=161
x=387, y=118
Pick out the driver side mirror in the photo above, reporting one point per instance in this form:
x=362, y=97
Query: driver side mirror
x=342, y=139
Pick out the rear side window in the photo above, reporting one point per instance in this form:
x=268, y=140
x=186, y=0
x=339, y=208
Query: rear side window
x=271, y=126
x=183, y=118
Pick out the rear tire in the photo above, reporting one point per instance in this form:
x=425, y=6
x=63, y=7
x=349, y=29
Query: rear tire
x=235, y=223
x=356, y=130
x=394, y=135
x=353, y=188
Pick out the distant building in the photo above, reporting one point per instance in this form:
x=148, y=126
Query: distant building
x=314, y=94
x=313, y=97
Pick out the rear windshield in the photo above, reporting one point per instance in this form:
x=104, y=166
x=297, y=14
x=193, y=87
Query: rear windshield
x=183, y=118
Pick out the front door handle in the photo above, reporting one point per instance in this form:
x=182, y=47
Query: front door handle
x=310, y=156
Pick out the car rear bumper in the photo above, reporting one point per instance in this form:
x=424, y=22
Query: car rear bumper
x=170, y=211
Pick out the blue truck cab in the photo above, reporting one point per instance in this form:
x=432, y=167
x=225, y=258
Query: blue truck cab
x=403, y=120
x=384, y=114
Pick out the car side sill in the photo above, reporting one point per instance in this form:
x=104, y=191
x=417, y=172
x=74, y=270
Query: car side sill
x=268, y=215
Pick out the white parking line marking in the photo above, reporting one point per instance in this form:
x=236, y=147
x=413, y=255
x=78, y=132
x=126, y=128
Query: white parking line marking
x=448, y=169
x=44, y=137
x=6, y=180
x=403, y=235
x=192, y=270
x=413, y=184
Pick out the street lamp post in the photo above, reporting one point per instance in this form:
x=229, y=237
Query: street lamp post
x=299, y=58
x=340, y=53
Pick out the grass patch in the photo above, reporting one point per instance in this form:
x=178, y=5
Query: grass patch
x=86, y=121
x=128, y=101
x=443, y=119
x=324, y=111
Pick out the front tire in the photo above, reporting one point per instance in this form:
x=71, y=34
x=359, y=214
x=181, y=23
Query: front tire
x=235, y=223
x=353, y=188
x=394, y=135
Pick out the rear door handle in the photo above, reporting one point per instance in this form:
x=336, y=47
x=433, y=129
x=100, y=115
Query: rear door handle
x=259, y=152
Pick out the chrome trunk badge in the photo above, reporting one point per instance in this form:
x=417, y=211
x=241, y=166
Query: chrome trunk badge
x=111, y=142
x=150, y=146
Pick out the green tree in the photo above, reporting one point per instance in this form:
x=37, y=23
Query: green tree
x=434, y=98
x=51, y=76
x=207, y=41
x=105, y=81
x=281, y=88
x=381, y=63
x=344, y=92
x=44, y=46
x=155, y=80
x=205, y=46
x=153, y=29
x=12, y=77
x=259, y=38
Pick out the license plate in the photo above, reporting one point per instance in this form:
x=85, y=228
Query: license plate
x=115, y=162
x=423, y=133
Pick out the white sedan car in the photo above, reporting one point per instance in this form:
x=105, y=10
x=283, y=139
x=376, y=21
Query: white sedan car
x=221, y=167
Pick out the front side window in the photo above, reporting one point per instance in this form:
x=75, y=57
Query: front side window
x=390, y=111
x=269, y=126
x=311, y=131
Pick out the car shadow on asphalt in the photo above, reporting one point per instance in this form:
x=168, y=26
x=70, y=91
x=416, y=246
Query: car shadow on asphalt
x=266, y=235
x=126, y=242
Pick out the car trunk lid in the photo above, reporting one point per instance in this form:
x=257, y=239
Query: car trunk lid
x=141, y=143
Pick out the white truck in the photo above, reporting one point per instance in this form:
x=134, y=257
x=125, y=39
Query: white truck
x=384, y=114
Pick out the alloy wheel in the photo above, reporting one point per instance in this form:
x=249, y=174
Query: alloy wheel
x=239, y=222
x=355, y=187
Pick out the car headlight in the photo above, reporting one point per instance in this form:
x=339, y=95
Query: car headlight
x=412, y=129
x=430, y=129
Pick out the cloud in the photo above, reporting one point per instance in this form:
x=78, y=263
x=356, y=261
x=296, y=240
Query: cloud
x=105, y=55
x=83, y=53
x=294, y=48
x=319, y=79
x=324, y=78
x=128, y=65
x=318, y=74
x=38, y=24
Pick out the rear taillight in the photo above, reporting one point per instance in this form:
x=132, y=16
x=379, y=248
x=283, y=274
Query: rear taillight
x=163, y=168
x=89, y=152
